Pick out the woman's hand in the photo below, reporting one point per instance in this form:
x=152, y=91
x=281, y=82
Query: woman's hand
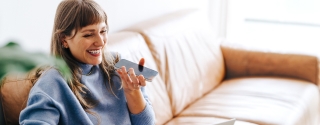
x=131, y=82
x=131, y=85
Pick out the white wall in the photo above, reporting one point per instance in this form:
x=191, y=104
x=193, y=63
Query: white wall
x=30, y=22
x=27, y=22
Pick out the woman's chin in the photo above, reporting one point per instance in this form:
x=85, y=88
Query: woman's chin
x=95, y=63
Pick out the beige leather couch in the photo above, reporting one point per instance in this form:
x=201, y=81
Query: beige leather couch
x=202, y=81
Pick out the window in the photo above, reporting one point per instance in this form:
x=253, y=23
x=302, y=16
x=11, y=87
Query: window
x=280, y=25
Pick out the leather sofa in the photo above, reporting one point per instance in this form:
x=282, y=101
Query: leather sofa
x=205, y=81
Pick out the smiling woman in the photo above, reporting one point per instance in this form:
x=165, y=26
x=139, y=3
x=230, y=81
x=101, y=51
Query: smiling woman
x=96, y=93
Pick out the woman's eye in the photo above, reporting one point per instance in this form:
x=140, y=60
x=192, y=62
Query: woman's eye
x=103, y=31
x=87, y=35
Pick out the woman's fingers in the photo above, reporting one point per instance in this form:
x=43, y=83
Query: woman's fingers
x=125, y=76
x=133, y=77
x=122, y=76
x=141, y=77
x=129, y=78
x=141, y=62
x=142, y=80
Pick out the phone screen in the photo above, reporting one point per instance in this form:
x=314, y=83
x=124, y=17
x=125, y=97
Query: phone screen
x=148, y=73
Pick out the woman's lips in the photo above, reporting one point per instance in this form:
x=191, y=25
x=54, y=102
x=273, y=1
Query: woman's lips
x=94, y=52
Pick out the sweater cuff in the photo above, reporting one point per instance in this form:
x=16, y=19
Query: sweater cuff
x=145, y=117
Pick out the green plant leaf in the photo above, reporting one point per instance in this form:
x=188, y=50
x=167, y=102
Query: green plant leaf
x=14, y=59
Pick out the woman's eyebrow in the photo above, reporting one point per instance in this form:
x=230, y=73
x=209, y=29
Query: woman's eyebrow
x=90, y=30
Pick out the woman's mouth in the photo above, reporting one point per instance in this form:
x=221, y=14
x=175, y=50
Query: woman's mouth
x=94, y=52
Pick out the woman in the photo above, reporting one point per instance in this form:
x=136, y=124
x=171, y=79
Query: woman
x=96, y=93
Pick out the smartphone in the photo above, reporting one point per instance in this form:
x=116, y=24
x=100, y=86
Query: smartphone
x=229, y=122
x=147, y=73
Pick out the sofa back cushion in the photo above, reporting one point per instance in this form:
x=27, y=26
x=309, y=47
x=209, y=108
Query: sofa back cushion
x=132, y=46
x=187, y=55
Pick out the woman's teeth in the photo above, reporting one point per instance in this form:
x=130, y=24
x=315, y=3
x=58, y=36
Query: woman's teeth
x=94, y=51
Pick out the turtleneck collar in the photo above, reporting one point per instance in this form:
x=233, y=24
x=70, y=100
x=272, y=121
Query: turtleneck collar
x=86, y=68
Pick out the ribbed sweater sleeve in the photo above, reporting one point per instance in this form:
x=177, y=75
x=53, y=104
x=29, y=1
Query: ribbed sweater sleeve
x=147, y=116
x=42, y=111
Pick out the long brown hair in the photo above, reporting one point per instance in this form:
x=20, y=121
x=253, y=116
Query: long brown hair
x=74, y=15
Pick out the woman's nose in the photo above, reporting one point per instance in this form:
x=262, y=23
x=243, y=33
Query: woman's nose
x=100, y=40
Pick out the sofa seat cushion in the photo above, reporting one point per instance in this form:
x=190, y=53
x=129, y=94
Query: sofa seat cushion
x=202, y=121
x=261, y=100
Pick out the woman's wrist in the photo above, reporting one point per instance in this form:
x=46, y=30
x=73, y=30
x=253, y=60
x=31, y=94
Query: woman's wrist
x=135, y=100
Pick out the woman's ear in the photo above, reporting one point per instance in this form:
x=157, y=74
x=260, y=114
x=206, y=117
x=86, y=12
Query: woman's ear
x=63, y=41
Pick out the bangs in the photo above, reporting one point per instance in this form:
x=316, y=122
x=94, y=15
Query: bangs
x=88, y=14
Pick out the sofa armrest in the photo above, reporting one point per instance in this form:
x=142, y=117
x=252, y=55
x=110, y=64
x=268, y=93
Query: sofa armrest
x=318, y=82
x=242, y=62
x=14, y=92
x=2, y=120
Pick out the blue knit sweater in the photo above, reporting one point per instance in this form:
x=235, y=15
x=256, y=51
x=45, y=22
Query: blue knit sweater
x=51, y=101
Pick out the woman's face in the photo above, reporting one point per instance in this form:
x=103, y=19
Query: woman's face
x=88, y=43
